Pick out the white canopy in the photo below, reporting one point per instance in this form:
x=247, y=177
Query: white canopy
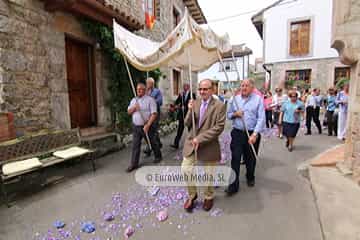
x=147, y=55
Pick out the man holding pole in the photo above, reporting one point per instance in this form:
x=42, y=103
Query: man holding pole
x=248, y=120
x=144, y=113
x=206, y=120
x=156, y=94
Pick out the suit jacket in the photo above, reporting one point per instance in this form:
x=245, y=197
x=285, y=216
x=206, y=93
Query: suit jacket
x=208, y=133
x=183, y=102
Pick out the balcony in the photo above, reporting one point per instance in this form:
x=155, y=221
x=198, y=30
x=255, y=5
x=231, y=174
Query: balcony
x=128, y=13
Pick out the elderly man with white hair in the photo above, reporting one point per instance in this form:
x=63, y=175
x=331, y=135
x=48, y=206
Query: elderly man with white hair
x=155, y=93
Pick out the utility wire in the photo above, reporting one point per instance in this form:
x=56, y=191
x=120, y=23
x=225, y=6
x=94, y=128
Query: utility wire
x=246, y=13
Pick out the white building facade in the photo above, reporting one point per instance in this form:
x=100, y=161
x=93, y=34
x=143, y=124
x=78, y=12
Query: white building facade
x=236, y=73
x=297, y=44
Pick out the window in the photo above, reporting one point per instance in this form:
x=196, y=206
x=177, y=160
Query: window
x=157, y=9
x=301, y=78
x=152, y=7
x=149, y=7
x=176, y=17
x=229, y=67
x=300, y=38
x=176, y=81
x=341, y=72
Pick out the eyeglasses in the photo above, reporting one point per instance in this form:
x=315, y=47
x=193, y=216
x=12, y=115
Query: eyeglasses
x=293, y=96
x=203, y=89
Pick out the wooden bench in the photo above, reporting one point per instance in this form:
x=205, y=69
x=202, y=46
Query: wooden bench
x=27, y=154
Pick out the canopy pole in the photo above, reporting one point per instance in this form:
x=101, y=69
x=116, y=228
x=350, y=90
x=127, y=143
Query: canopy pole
x=191, y=94
x=136, y=99
x=236, y=68
x=236, y=104
x=182, y=98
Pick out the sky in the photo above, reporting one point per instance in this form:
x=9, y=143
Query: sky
x=240, y=28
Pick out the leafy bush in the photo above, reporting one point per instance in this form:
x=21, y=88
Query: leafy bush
x=119, y=83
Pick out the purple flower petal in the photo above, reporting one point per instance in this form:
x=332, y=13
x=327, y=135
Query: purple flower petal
x=129, y=231
x=162, y=216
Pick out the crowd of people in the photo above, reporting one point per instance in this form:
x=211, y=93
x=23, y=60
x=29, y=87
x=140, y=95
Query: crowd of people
x=250, y=112
x=287, y=111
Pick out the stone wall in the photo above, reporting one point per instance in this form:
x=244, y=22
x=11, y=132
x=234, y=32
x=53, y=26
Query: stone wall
x=128, y=6
x=322, y=72
x=33, y=82
x=346, y=40
x=25, y=71
x=161, y=29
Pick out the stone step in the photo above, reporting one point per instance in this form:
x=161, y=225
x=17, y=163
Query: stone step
x=93, y=131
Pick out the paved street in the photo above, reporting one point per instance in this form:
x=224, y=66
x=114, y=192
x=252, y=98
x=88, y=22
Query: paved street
x=281, y=206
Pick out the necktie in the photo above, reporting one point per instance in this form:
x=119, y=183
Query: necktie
x=202, y=112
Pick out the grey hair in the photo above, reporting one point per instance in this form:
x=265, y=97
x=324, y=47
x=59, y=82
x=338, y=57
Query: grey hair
x=207, y=80
x=251, y=81
x=141, y=84
x=150, y=79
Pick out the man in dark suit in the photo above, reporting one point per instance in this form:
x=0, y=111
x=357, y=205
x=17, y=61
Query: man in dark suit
x=181, y=103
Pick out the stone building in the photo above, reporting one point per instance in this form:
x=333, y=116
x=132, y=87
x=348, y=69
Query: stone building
x=53, y=75
x=297, y=45
x=259, y=74
x=346, y=40
x=168, y=14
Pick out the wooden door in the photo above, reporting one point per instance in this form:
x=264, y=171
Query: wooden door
x=79, y=61
x=176, y=82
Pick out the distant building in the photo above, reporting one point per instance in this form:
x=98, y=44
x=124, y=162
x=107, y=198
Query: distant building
x=259, y=73
x=259, y=62
x=296, y=44
x=216, y=72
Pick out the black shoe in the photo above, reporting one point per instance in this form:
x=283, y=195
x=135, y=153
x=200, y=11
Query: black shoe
x=307, y=133
x=158, y=159
x=287, y=143
x=290, y=149
x=329, y=134
x=161, y=145
x=174, y=146
x=250, y=183
x=230, y=192
x=147, y=152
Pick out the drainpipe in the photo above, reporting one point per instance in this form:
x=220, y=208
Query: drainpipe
x=269, y=72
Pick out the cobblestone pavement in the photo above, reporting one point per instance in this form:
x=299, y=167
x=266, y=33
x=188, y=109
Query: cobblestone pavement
x=280, y=207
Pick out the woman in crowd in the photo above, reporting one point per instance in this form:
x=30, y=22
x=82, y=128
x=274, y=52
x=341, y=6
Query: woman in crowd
x=290, y=117
x=268, y=108
x=342, y=100
x=305, y=95
x=330, y=109
x=278, y=100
